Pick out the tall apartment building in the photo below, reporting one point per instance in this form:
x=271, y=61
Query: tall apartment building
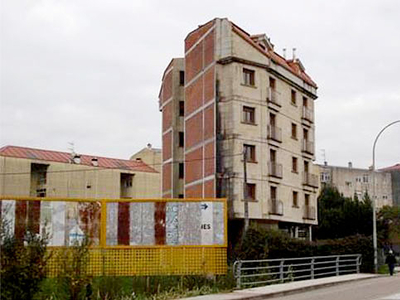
x=232, y=93
x=357, y=182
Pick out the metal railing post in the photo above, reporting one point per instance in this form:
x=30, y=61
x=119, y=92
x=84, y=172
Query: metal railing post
x=337, y=265
x=312, y=267
x=358, y=264
x=238, y=274
x=281, y=275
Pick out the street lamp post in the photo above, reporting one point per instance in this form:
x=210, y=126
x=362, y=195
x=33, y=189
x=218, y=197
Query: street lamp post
x=374, y=234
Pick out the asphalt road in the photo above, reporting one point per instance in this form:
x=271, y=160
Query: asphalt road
x=381, y=288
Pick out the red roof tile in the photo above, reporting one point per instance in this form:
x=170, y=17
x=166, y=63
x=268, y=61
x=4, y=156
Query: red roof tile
x=65, y=157
x=396, y=167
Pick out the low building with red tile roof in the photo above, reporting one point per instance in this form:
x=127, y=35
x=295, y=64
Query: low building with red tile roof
x=46, y=173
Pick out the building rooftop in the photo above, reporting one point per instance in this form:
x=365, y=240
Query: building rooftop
x=396, y=167
x=65, y=157
x=292, y=65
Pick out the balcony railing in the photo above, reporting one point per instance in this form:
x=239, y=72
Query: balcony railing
x=309, y=212
x=308, y=147
x=276, y=207
x=308, y=114
x=273, y=96
x=275, y=169
x=310, y=179
x=274, y=133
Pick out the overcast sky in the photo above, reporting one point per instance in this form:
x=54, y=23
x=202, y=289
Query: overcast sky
x=89, y=72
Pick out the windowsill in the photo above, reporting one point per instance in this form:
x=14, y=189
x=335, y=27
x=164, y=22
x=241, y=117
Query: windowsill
x=295, y=172
x=249, y=123
x=294, y=138
x=250, y=200
x=249, y=85
x=251, y=161
x=294, y=104
x=295, y=206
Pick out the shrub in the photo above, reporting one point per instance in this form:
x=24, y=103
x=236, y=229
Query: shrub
x=22, y=265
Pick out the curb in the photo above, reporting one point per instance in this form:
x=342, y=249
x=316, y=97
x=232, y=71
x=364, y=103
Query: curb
x=303, y=289
x=257, y=293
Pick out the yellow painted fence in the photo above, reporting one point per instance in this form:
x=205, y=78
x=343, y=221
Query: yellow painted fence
x=129, y=237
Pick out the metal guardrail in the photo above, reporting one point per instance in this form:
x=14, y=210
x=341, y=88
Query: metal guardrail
x=256, y=272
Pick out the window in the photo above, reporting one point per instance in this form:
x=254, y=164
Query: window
x=295, y=199
x=248, y=114
x=294, y=164
x=365, y=178
x=325, y=177
x=305, y=134
x=181, y=170
x=181, y=108
x=181, y=139
x=248, y=77
x=293, y=97
x=272, y=83
x=181, y=78
x=251, y=191
x=306, y=199
x=294, y=131
x=250, y=152
x=273, y=193
x=305, y=102
x=180, y=196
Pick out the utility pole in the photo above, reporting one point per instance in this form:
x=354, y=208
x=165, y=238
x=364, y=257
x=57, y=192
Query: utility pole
x=245, y=196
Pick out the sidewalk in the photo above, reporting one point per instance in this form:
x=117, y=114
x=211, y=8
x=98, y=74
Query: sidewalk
x=283, y=289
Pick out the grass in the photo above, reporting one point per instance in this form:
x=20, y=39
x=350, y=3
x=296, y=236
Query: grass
x=143, y=288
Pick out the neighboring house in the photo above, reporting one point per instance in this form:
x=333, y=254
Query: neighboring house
x=150, y=156
x=46, y=173
x=233, y=93
x=395, y=173
x=353, y=181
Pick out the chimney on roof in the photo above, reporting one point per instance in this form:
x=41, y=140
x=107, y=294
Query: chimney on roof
x=149, y=145
x=284, y=53
x=294, y=53
x=95, y=162
x=325, y=163
x=76, y=158
x=350, y=164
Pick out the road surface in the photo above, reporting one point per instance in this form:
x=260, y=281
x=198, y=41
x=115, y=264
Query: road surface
x=381, y=288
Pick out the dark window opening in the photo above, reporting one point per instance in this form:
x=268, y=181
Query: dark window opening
x=181, y=78
x=181, y=139
x=181, y=108
x=181, y=170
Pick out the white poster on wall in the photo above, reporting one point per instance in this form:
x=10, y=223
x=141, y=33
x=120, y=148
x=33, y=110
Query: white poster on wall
x=207, y=226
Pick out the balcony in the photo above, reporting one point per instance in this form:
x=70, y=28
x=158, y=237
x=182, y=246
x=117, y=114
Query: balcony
x=274, y=169
x=309, y=212
x=310, y=179
x=273, y=97
x=274, y=133
x=308, y=147
x=276, y=207
x=308, y=114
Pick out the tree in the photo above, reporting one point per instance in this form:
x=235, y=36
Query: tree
x=339, y=216
x=388, y=219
